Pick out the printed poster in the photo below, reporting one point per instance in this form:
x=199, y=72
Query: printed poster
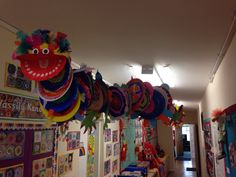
x=114, y=136
x=42, y=167
x=116, y=149
x=73, y=141
x=91, y=155
x=19, y=107
x=65, y=164
x=107, y=167
x=107, y=135
x=108, y=150
x=14, y=78
x=114, y=166
x=11, y=144
x=43, y=141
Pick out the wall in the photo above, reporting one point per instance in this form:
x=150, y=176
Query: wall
x=179, y=141
x=219, y=94
x=165, y=140
x=191, y=117
x=79, y=166
x=7, y=46
x=113, y=126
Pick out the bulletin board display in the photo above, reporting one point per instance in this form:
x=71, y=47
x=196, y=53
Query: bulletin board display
x=12, y=171
x=230, y=145
x=11, y=144
x=208, y=147
x=17, y=153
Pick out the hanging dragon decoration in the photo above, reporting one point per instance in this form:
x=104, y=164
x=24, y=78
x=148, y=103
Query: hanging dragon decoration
x=66, y=94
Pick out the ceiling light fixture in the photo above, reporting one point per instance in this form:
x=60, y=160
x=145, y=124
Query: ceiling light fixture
x=156, y=75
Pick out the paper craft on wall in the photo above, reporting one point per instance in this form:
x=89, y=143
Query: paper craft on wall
x=65, y=164
x=107, y=167
x=114, y=166
x=116, y=149
x=73, y=141
x=107, y=135
x=115, y=136
x=11, y=144
x=91, y=155
x=42, y=167
x=14, y=78
x=81, y=149
x=43, y=141
x=12, y=171
x=108, y=150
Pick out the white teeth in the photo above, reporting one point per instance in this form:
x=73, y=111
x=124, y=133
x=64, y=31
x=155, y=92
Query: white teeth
x=30, y=72
x=60, y=61
x=53, y=70
x=42, y=75
x=58, y=64
x=50, y=72
x=37, y=75
x=27, y=69
x=56, y=68
x=34, y=74
x=26, y=65
x=46, y=74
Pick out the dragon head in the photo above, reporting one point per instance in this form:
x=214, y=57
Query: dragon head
x=42, y=55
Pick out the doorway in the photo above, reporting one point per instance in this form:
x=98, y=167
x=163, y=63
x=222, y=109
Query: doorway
x=185, y=143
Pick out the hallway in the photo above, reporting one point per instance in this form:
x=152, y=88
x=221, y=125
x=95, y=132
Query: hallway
x=181, y=171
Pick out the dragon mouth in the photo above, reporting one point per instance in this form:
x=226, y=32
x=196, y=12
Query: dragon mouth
x=41, y=67
x=43, y=64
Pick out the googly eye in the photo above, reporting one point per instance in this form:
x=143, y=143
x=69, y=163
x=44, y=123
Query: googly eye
x=45, y=51
x=35, y=51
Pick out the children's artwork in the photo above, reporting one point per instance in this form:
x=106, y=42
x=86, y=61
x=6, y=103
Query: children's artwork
x=114, y=166
x=16, y=79
x=81, y=149
x=11, y=144
x=108, y=150
x=19, y=107
x=12, y=171
x=65, y=164
x=230, y=145
x=107, y=167
x=73, y=141
x=116, y=149
x=91, y=155
x=115, y=136
x=43, y=141
x=42, y=167
x=107, y=135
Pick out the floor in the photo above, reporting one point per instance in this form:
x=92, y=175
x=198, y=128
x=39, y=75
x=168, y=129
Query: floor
x=181, y=171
